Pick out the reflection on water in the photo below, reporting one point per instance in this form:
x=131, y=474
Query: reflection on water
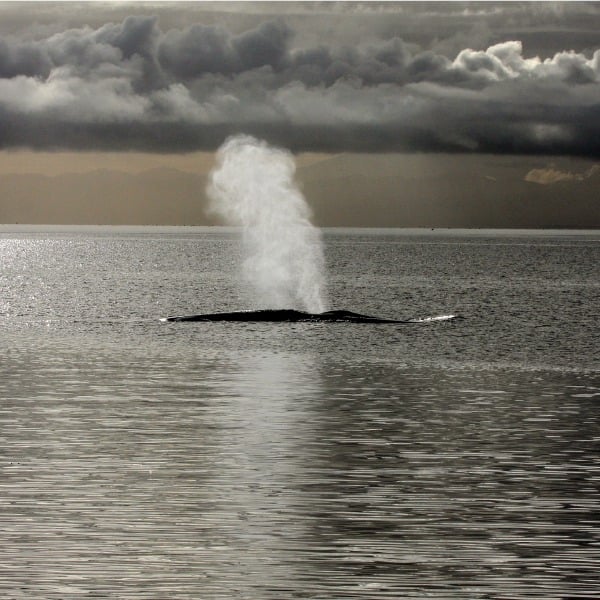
x=270, y=475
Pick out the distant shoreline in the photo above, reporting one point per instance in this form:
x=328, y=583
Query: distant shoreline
x=91, y=228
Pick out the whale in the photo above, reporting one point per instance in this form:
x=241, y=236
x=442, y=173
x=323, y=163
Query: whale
x=297, y=316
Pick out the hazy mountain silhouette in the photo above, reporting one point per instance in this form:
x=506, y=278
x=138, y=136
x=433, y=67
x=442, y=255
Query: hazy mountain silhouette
x=344, y=190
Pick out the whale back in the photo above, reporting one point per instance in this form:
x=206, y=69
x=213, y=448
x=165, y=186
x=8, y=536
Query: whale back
x=283, y=316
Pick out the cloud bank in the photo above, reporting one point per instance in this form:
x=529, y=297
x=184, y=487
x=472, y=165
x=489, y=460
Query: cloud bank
x=131, y=85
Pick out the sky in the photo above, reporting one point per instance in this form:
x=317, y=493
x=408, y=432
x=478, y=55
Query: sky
x=460, y=110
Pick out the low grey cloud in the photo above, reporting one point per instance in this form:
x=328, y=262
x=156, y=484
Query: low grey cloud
x=133, y=85
x=550, y=175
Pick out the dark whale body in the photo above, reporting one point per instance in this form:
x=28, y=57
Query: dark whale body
x=290, y=316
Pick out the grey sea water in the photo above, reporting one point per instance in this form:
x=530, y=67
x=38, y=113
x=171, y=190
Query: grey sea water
x=142, y=459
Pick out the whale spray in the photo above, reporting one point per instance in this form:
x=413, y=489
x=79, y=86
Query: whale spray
x=252, y=186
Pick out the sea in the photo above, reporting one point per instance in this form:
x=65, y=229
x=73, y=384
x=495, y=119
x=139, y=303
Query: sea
x=447, y=459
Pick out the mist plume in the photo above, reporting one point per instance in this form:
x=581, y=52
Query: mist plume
x=253, y=186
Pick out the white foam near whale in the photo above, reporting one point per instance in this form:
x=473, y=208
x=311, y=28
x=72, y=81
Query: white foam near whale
x=438, y=318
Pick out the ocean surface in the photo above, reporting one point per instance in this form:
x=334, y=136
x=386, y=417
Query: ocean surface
x=451, y=460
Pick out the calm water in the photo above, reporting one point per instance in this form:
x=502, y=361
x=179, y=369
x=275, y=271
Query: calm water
x=142, y=459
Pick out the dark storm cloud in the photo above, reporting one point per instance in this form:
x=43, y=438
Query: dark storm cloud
x=132, y=85
x=22, y=59
x=201, y=49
